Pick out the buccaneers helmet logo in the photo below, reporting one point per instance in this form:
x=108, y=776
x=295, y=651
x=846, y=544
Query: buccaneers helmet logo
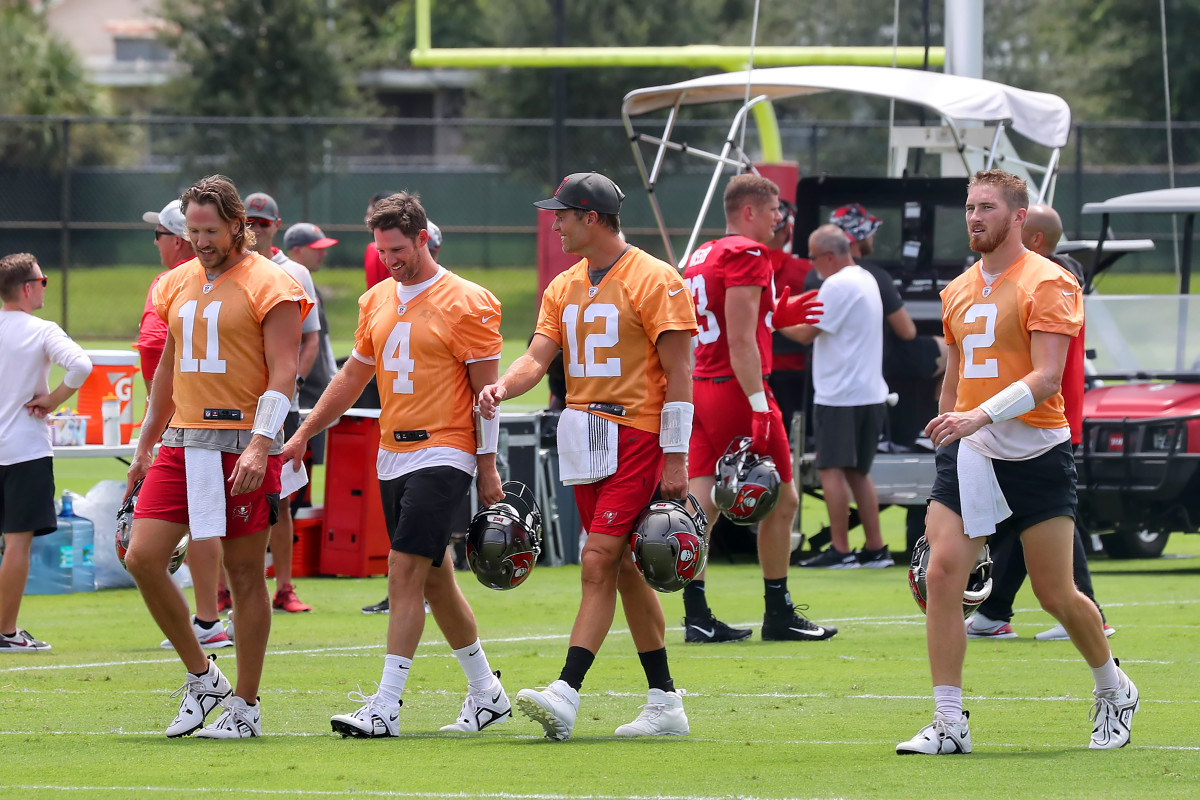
x=747, y=499
x=522, y=566
x=689, y=555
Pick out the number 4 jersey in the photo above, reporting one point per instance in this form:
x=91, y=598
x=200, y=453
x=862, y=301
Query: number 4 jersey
x=992, y=325
x=217, y=330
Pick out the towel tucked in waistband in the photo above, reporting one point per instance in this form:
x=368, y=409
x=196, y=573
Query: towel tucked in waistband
x=587, y=447
x=979, y=494
x=205, y=492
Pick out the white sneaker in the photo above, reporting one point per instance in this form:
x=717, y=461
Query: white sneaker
x=1059, y=634
x=201, y=694
x=482, y=709
x=210, y=638
x=374, y=720
x=981, y=627
x=240, y=721
x=939, y=738
x=554, y=708
x=1112, y=715
x=661, y=716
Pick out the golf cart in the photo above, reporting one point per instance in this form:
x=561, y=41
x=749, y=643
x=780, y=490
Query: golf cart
x=1139, y=467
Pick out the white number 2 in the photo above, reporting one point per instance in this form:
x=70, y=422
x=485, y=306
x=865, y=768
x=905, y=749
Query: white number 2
x=212, y=361
x=989, y=367
x=396, y=358
x=710, y=329
x=589, y=367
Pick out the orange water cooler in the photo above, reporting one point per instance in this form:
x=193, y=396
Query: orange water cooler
x=112, y=373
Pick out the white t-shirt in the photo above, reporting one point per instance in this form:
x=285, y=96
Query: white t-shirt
x=310, y=323
x=848, y=354
x=28, y=346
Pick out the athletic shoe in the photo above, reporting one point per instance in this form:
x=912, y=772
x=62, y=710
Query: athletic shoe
x=832, y=558
x=21, y=642
x=201, y=694
x=939, y=738
x=792, y=626
x=482, y=709
x=286, y=600
x=1059, y=634
x=376, y=719
x=229, y=625
x=239, y=721
x=875, y=559
x=661, y=716
x=224, y=599
x=212, y=638
x=711, y=630
x=382, y=607
x=554, y=708
x=1112, y=714
x=981, y=627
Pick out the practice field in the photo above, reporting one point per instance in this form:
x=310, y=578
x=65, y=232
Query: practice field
x=769, y=720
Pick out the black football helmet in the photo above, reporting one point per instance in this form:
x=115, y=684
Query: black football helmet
x=979, y=583
x=670, y=544
x=125, y=529
x=747, y=486
x=504, y=540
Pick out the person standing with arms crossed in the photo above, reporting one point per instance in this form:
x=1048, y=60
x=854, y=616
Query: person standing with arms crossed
x=731, y=282
x=235, y=336
x=1004, y=453
x=624, y=321
x=28, y=346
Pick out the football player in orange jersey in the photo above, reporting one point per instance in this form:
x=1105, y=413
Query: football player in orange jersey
x=731, y=280
x=1004, y=457
x=624, y=321
x=234, y=338
x=432, y=340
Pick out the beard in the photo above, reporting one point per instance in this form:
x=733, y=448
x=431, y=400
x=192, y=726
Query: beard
x=990, y=241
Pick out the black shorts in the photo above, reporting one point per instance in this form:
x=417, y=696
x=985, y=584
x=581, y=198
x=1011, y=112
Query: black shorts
x=420, y=509
x=27, y=497
x=291, y=424
x=847, y=437
x=1037, y=489
x=916, y=358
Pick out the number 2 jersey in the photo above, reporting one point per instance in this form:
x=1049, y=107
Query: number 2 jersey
x=607, y=333
x=219, y=359
x=420, y=356
x=714, y=268
x=993, y=325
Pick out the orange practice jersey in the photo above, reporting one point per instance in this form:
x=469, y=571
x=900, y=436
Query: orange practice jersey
x=420, y=358
x=219, y=361
x=992, y=327
x=607, y=333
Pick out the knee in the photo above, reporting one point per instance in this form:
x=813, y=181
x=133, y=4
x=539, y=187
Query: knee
x=140, y=564
x=1057, y=601
x=600, y=566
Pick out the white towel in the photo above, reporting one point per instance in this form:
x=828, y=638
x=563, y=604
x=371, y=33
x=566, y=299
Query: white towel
x=979, y=493
x=205, y=492
x=292, y=480
x=587, y=447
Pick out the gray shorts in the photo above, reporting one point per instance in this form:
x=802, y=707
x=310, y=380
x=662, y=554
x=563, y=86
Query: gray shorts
x=847, y=437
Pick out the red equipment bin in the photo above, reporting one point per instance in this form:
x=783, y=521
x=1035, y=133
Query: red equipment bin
x=356, y=541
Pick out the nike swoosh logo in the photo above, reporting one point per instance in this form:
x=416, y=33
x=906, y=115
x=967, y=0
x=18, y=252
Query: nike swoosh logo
x=485, y=319
x=705, y=632
x=805, y=632
x=496, y=699
x=1067, y=294
x=755, y=252
x=677, y=291
x=473, y=652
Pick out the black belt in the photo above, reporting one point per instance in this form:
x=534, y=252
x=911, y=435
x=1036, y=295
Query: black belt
x=411, y=436
x=721, y=378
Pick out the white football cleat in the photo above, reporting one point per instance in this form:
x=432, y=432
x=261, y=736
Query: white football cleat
x=201, y=694
x=482, y=709
x=1112, y=715
x=1059, y=634
x=939, y=738
x=239, y=721
x=374, y=720
x=210, y=638
x=662, y=715
x=554, y=708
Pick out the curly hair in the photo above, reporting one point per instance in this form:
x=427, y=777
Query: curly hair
x=219, y=192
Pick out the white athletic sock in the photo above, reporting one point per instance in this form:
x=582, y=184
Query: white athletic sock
x=948, y=702
x=475, y=666
x=395, y=675
x=1107, y=676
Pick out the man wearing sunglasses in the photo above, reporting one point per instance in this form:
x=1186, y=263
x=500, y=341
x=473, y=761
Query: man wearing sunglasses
x=31, y=345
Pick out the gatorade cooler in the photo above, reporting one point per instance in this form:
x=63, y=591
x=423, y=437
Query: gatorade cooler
x=112, y=373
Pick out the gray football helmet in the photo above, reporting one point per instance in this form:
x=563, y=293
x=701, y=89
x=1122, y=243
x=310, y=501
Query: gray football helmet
x=670, y=544
x=979, y=583
x=125, y=530
x=504, y=540
x=747, y=486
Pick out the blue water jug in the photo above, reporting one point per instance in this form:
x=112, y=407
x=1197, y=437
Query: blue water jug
x=51, y=561
x=83, y=535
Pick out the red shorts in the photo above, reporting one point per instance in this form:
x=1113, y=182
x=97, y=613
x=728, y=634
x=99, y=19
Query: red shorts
x=612, y=505
x=164, y=494
x=723, y=414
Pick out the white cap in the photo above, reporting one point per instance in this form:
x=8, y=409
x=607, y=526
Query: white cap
x=170, y=218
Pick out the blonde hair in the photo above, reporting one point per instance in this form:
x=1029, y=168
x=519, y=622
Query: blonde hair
x=1012, y=188
x=219, y=192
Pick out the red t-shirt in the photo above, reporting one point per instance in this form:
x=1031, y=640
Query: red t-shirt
x=152, y=331
x=373, y=266
x=732, y=260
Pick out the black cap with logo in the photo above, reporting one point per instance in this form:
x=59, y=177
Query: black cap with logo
x=586, y=191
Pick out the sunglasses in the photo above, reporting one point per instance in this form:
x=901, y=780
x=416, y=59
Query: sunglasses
x=159, y=234
x=259, y=223
x=41, y=280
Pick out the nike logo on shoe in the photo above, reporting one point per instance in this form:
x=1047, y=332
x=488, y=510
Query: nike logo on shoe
x=816, y=634
x=706, y=632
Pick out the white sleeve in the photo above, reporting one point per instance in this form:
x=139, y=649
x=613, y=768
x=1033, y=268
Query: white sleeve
x=63, y=351
x=313, y=321
x=836, y=306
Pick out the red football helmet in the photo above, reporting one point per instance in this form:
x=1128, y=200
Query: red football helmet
x=504, y=540
x=747, y=486
x=670, y=544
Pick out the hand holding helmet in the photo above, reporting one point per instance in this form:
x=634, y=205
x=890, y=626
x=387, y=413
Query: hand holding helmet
x=504, y=540
x=747, y=485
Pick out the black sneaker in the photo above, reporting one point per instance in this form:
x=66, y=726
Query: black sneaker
x=794, y=627
x=712, y=630
x=381, y=607
x=875, y=559
x=832, y=558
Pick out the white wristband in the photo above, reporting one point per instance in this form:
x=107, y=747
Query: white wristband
x=487, y=433
x=758, y=402
x=675, y=426
x=1010, y=402
x=273, y=406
